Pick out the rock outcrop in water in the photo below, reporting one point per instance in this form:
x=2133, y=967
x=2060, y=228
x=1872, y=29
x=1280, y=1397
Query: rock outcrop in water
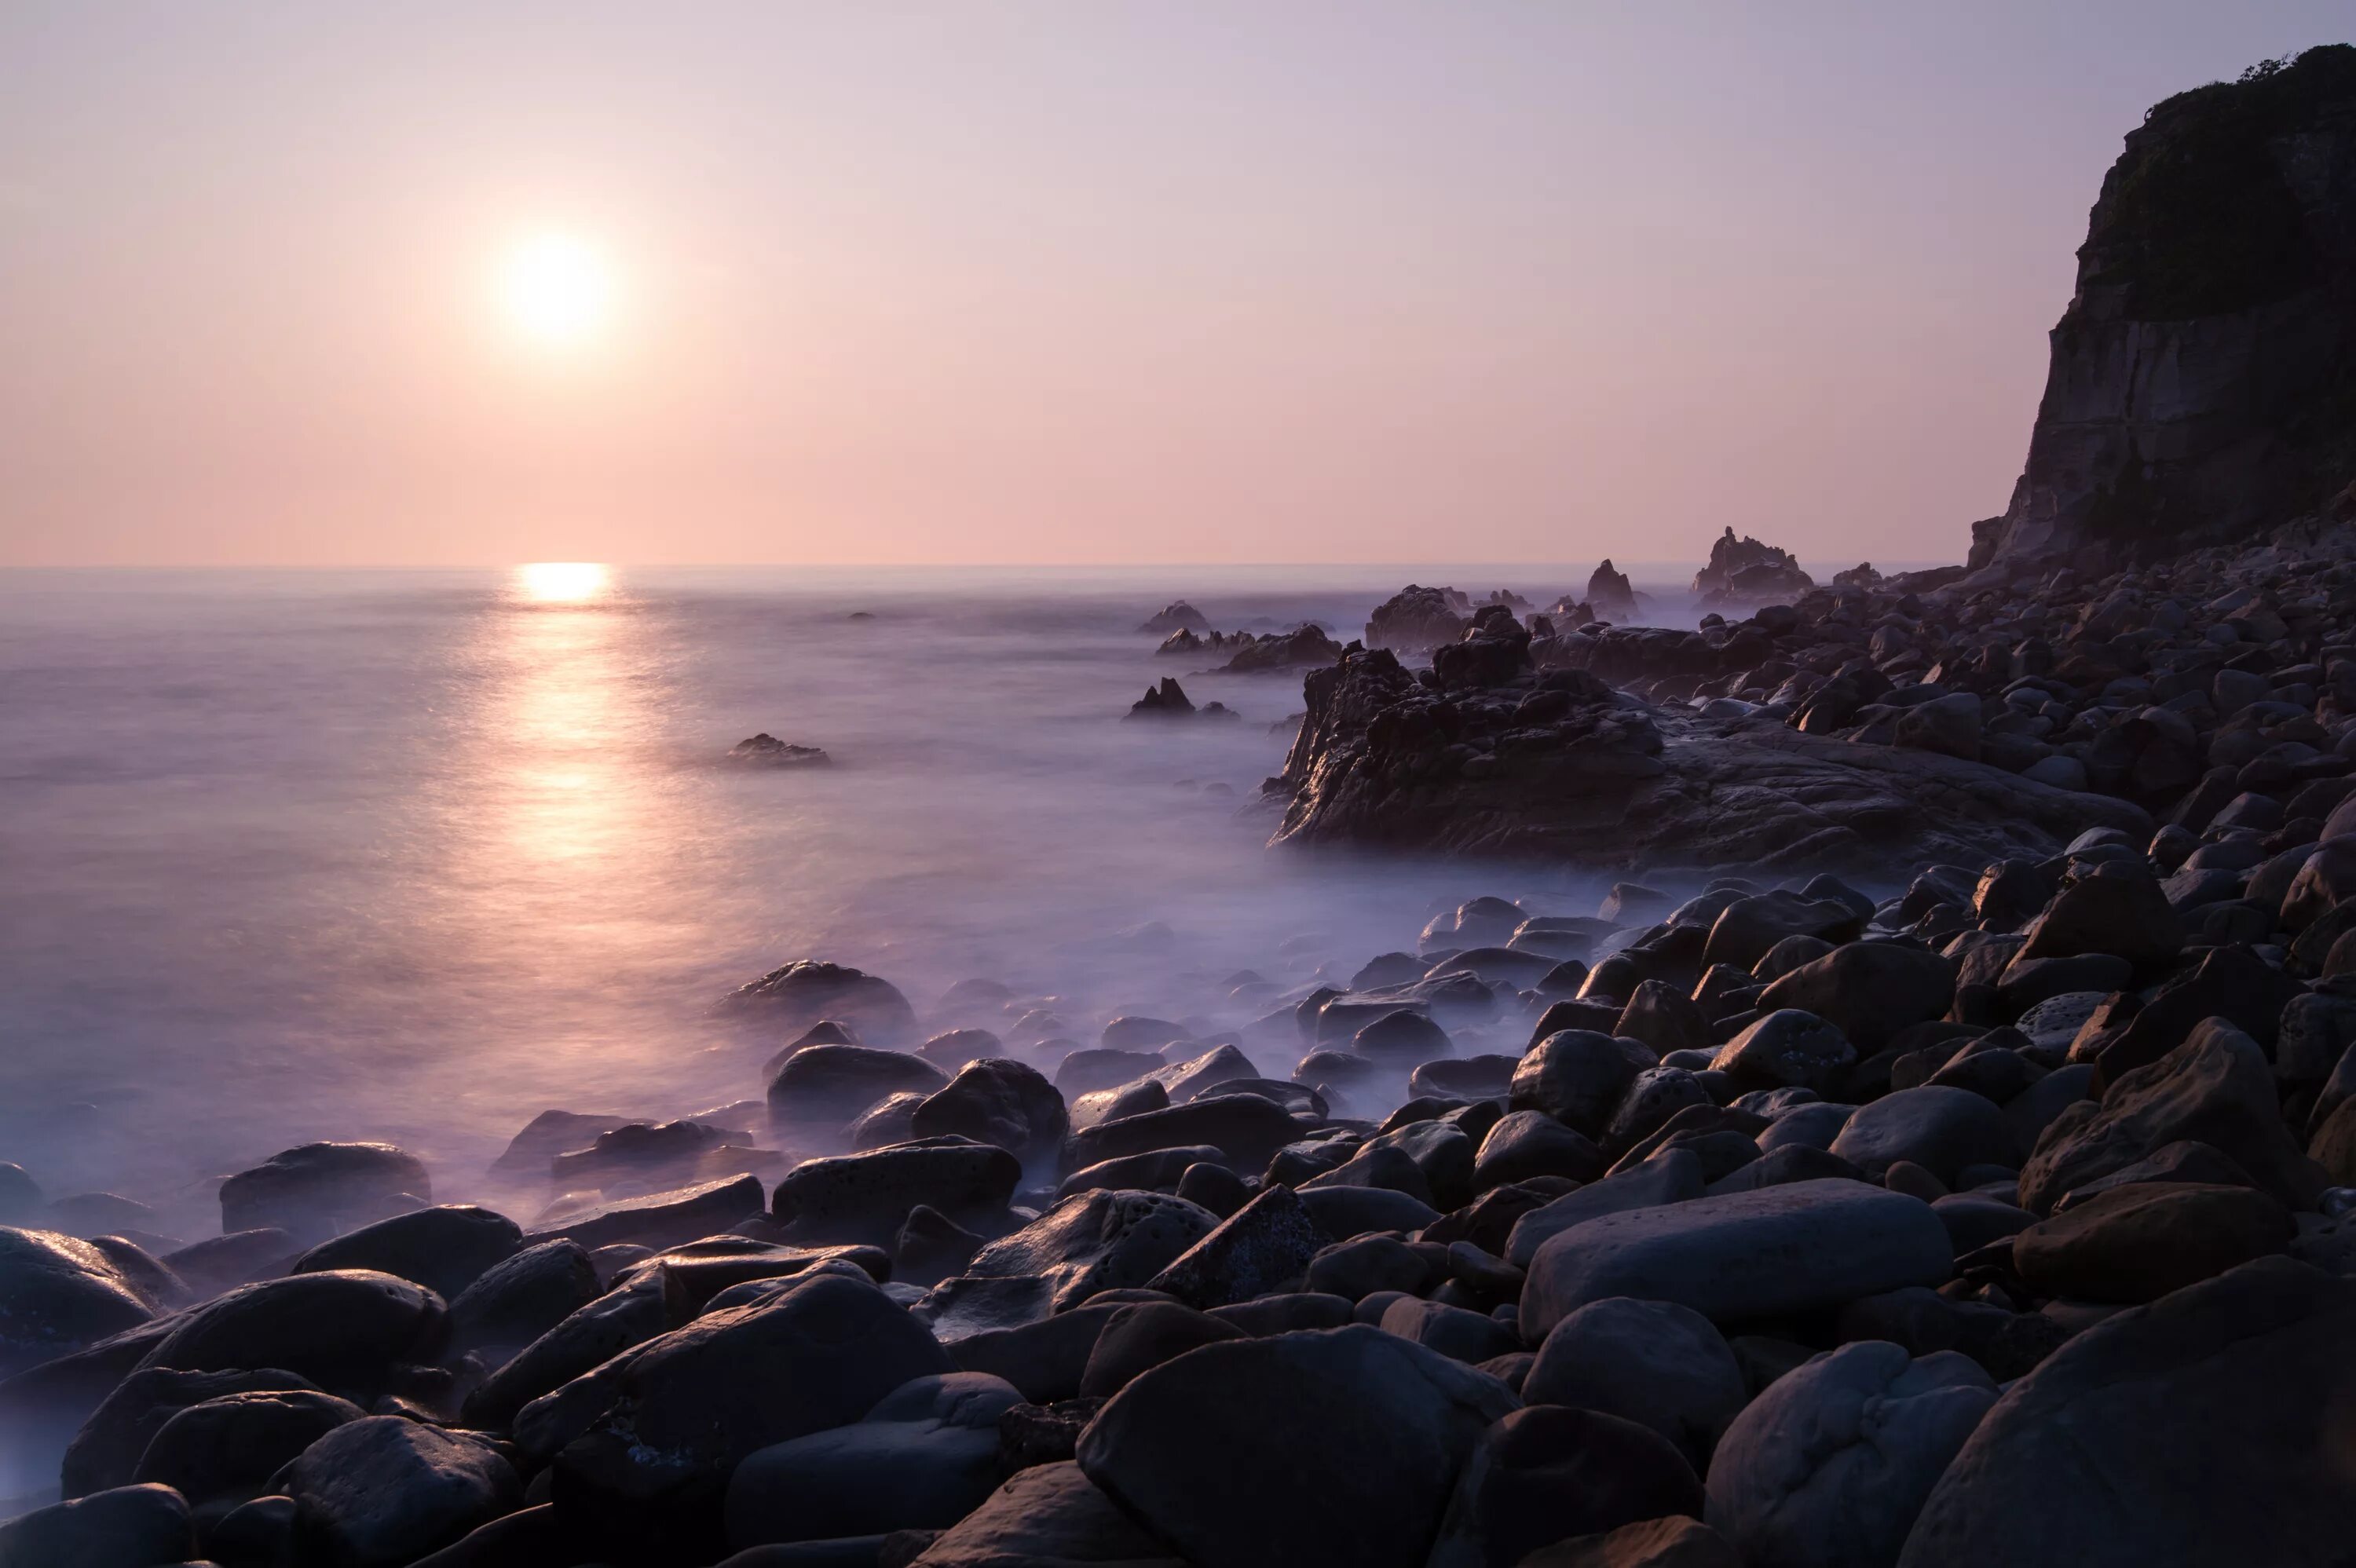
x=1176, y=616
x=1417, y=619
x=2203, y=380
x=1745, y=572
x=1610, y=595
x=765, y=750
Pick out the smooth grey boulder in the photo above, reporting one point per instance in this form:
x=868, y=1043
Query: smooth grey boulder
x=1832, y=1462
x=123, y=1527
x=1576, y=1076
x=808, y=990
x=1652, y=1363
x=1103, y=1239
x=1525, y=1144
x=1672, y=1177
x=1805, y=1246
x=1942, y=1129
x=2196, y=1430
x=1456, y=1332
x=519, y=1299
x=107, y=1449
x=1812, y=1126
x=1046, y=1359
x=228, y=1448
x=384, y=1491
x=629, y=1315
x=662, y=1219
x=444, y=1249
x=829, y=1084
x=1245, y=1129
x=996, y=1101
x=1334, y=1446
x=1353, y=1210
x=924, y=1457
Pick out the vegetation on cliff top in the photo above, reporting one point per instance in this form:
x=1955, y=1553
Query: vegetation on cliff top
x=2196, y=218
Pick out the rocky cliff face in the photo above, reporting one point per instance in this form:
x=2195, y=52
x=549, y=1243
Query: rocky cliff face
x=2203, y=379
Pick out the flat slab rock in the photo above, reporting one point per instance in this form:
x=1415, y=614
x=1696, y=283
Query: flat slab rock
x=1743, y=1256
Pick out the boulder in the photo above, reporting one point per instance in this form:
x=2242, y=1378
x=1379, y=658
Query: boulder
x=1802, y=1247
x=649, y=1305
x=1788, y=1047
x=662, y=1429
x=59, y=1295
x=1050, y=1515
x=383, y=1491
x=2195, y=1430
x=1672, y=1543
x=325, y=1189
x=226, y=1448
x=2117, y=908
x=341, y=1329
x=997, y=1101
x=1549, y=1472
x=923, y=1458
x=802, y=993
x=1245, y=1129
x=126, y=1527
x=517, y=1300
x=866, y=1197
x=833, y=1083
x=660, y=1218
x=1867, y=990
x=444, y=1249
x=1576, y=1076
x=1262, y=1246
x=1652, y=1363
x=1339, y=1445
x=2137, y=1243
x=1674, y=1178
x=1103, y=1239
x=1141, y=1336
x=1944, y=1130
x=1457, y=1332
x=106, y=1451
x=2215, y=1089
x=1525, y=1144
x=1749, y=928
x=1832, y=1462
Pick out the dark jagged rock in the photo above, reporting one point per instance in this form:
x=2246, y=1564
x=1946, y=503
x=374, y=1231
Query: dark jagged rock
x=2197, y=371
x=802, y=993
x=1176, y=616
x=1610, y=595
x=1745, y=572
x=1417, y=619
x=1309, y=645
x=766, y=750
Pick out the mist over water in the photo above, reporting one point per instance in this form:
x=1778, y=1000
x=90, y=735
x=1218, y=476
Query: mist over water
x=414, y=857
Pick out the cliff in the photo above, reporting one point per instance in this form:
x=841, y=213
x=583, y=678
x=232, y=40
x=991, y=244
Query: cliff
x=2202, y=386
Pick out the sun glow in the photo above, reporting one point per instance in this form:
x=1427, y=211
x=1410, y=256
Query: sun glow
x=561, y=581
x=557, y=290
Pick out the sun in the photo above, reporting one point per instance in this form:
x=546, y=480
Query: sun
x=556, y=290
x=561, y=581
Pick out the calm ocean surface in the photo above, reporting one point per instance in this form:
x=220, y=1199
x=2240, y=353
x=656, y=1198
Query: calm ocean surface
x=416, y=856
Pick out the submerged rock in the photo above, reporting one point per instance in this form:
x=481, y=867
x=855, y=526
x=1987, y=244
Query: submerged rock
x=765, y=750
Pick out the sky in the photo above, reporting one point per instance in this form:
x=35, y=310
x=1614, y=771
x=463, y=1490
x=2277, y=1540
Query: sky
x=1103, y=281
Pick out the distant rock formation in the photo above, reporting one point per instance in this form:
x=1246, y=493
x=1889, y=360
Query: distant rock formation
x=1176, y=616
x=1745, y=572
x=1417, y=619
x=1169, y=701
x=1611, y=593
x=767, y=751
x=2202, y=387
x=1306, y=645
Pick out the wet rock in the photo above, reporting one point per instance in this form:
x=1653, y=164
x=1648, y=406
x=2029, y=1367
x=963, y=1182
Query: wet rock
x=833, y=1083
x=444, y=1249
x=1576, y=1076
x=663, y=1429
x=105, y=1453
x=866, y=1197
x=1805, y=1246
x=2118, y=909
x=765, y=750
x=1525, y=1144
x=325, y=1189
x=1048, y=1514
x=340, y=1330
x=517, y=1299
x=996, y=1101
x=383, y=1491
x=1246, y=1130
x=1103, y=1239
x=660, y=1218
x=2057, y=1473
x=547, y=1134
x=1456, y=1332
x=1143, y=1335
x=808, y=990
x=1402, y=1034
x=648, y=1305
x=1264, y=1245
x=1831, y=1464
x=1353, y=1210
x=126, y=1527
x=1674, y=1178
x=2137, y=1243
x=226, y=1448
x=1086, y=1071
x=1215, y=1451
x=59, y=1295
x=1548, y=1472
x=923, y=1458
x=1652, y=1363
x=1486, y=1077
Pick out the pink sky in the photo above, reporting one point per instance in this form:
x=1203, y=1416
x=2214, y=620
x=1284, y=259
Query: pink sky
x=1093, y=281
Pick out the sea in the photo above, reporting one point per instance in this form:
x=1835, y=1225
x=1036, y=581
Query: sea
x=413, y=856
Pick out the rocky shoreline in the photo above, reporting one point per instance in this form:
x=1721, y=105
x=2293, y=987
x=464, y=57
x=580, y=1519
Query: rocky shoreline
x=1937, y=1151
